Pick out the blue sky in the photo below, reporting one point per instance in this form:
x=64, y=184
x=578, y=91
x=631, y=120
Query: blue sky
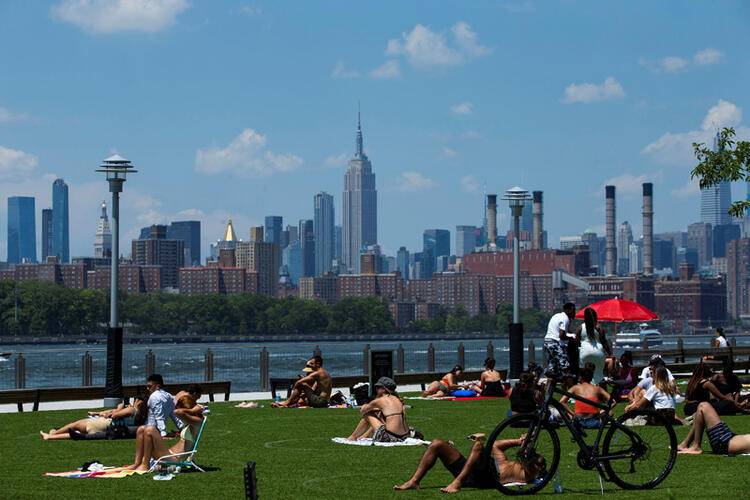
x=245, y=109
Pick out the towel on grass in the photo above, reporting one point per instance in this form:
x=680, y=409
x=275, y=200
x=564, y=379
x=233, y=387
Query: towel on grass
x=429, y=398
x=369, y=442
x=98, y=472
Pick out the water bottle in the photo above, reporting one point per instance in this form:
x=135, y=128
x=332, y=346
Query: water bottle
x=277, y=398
x=557, y=485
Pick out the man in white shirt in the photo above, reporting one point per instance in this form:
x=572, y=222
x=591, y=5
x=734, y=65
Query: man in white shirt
x=555, y=342
x=160, y=405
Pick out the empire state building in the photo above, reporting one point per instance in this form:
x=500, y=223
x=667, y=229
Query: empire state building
x=360, y=206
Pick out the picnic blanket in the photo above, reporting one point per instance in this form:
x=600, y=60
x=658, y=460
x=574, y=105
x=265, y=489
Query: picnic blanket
x=453, y=398
x=369, y=442
x=104, y=472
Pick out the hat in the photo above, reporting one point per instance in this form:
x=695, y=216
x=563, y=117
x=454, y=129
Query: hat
x=386, y=383
x=656, y=359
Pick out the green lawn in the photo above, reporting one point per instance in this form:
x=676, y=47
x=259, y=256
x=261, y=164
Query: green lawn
x=297, y=460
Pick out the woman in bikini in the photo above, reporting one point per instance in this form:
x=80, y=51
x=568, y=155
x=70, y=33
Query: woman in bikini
x=446, y=385
x=383, y=418
x=490, y=382
x=586, y=414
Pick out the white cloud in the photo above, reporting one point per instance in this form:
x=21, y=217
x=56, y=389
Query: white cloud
x=591, y=92
x=469, y=184
x=386, y=71
x=708, y=56
x=688, y=190
x=341, y=71
x=424, y=48
x=676, y=147
x=449, y=152
x=462, y=108
x=628, y=184
x=336, y=160
x=15, y=163
x=8, y=116
x=111, y=16
x=411, y=182
x=246, y=154
x=673, y=64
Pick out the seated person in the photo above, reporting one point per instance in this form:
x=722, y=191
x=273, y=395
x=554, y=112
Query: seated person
x=660, y=395
x=653, y=362
x=625, y=376
x=312, y=390
x=524, y=396
x=149, y=442
x=586, y=414
x=723, y=441
x=194, y=390
x=122, y=416
x=700, y=389
x=490, y=382
x=446, y=385
x=383, y=418
x=473, y=472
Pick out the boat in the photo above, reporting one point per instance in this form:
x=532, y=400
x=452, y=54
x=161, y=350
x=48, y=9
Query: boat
x=635, y=340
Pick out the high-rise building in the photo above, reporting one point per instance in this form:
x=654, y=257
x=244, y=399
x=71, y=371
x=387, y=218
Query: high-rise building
x=360, y=205
x=437, y=242
x=337, y=243
x=21, y=229
x=60, y=227
x=273, y=227
x=738, y=277
x=324, y=232
x=591, y=240
x=292, y=260
x=188, y=231
x=103, y=236
x=402, y=262
x=157, y=250
x=635, y=258
x=700, y=238
x=261, y=257
x=46, y=233
x=722, y=235
x=307, y=246
x=716, y=200
x=664, y=254
x=466, y=240
x=228, y=240
x=624, y=239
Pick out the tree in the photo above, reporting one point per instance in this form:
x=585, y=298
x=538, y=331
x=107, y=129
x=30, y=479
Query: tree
x=730, y=162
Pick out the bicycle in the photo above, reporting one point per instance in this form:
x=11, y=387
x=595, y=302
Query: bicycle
x=652, y=449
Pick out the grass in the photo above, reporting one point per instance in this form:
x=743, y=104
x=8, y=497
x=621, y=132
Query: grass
x=296, y=458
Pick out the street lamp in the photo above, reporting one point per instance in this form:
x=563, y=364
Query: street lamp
x=516, y=198
x=116, y=169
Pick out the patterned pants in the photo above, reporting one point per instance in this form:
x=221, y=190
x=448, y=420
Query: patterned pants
x=557, y=358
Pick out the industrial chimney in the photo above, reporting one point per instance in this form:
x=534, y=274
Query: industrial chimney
x=536, y=225
x=491, y=219
x=648, y=228
x=610, y=268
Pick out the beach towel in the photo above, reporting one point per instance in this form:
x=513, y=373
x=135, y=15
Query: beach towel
x=369, y=442
x=103, y=472
x=429, y=398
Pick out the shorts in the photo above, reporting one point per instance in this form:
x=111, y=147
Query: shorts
x=589, y=422
x=719, y=436
x=97, y=424
x=444, y=389
x=382, y=435
x=317, y=401
x=557, y=358
x=479, y=477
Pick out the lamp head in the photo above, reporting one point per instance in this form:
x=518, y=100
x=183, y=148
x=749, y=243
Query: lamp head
x=116, y=168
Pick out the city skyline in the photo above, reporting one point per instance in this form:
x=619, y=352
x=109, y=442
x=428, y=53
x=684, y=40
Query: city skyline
x=636, y=107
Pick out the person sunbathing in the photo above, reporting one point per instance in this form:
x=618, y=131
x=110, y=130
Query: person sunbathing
x=383, y=418
x=723, y=441
x=122, y=416
x=312, y=390
x=586, y=414
x=446, y=385
x=473, y=472
x=490, y=382
x=149, y=442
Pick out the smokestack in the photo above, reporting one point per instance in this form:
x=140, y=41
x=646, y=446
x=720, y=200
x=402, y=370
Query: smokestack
x=491, y=219
x=648, y=228
x=610, y=268
x=536, y=214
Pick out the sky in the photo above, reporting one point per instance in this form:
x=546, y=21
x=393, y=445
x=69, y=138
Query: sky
x=245, y=109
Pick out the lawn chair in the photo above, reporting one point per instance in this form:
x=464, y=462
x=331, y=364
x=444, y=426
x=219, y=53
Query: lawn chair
x=186, y=457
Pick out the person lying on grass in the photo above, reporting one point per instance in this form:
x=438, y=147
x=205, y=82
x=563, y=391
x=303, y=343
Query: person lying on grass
x=446, y=385
x=474, y=472
x=312, y=390
x=723, y=441
x=149, y=443
x=122, y=416
x=383, y=418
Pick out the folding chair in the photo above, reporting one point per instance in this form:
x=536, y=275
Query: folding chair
x=186, y=457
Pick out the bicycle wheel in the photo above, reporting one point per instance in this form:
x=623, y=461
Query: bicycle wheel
x=542, y=456
x=650, y=450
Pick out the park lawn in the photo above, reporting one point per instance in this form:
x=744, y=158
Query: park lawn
x=296, y=458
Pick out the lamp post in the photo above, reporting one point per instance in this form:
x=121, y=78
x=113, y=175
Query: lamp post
x=516, y=198
x=116, y=169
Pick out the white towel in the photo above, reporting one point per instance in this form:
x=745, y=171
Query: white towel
x=368, y=442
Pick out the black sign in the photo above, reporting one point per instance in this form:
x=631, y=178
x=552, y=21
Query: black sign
x=381, y=365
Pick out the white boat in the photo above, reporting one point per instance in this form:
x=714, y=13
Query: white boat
x=635, y=340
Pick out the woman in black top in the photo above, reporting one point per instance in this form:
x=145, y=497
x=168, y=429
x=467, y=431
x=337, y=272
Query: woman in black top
x=523, y=399
x=701, y=389
x=490, y=382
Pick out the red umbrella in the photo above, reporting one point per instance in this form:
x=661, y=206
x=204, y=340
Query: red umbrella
x=619, y=310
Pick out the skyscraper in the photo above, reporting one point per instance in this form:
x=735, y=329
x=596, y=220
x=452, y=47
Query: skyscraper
x=188, y=231
x=103, y=237
x=323, y=227
x=157, y=250
x=466, y=240
x=715, y=200
x=46, y=233
x=337, y=242
x=700, y=239
x=274, y=226
x=21, y=229
x=360, y=204
x=402, y=262
x=292, y=260
x=437, y=242
x=624, y=239
x=307, y=246
x=60, y=228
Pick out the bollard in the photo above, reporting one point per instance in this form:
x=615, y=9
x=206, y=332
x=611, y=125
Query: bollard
x=150, y=363
x=400, y=359
x=20, y=371
x=208, y=363
x=461, y=358
x=490, y=350
x=532, y=352
x=733, y=342
x=366, y=359
x=86, y=369
x=430, y=358
x=317, y=351
x=264, y=373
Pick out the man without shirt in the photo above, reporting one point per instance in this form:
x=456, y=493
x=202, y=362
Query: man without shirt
x=314, y=389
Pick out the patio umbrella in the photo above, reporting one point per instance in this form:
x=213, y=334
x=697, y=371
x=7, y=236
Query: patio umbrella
x=619, y=310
